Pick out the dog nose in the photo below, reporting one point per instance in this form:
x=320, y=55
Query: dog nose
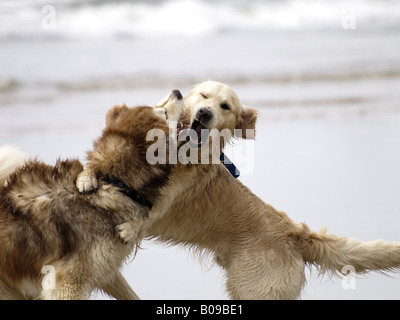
x=204, y=115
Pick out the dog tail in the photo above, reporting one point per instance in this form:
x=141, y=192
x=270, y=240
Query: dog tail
x=10, y=159
x=335, y=254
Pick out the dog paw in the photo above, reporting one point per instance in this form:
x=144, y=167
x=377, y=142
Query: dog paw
x=86, y=181
x=170, y=107
x=127, y=232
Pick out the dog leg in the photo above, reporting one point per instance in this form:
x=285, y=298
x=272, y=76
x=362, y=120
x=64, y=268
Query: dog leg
x=265, y=276
x=6, y=293
x=128, y=232
x=119, y=288
x=172, y=104
x=66, y=279
x=86, y=181
x=67, y=286
x=64, y=292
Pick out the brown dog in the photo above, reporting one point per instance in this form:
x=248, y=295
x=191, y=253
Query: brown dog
x=47, y=226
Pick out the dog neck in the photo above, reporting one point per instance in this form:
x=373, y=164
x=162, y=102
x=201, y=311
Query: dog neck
x=128, y=191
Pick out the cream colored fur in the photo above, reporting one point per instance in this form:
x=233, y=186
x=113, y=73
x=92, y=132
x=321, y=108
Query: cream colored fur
x=10, y=158
x=211, y=95
x=263, y=252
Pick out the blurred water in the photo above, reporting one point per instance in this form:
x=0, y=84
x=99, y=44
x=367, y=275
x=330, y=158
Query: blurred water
x=160, y=18
x=48, y=52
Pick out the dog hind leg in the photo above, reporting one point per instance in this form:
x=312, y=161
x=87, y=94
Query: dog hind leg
x=119, y=288
x=265, y=277
x=65, y=280
x=6, y=293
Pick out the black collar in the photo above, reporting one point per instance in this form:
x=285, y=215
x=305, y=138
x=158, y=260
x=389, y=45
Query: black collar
x=229, y=165
x=141, y=199
x=128, y=191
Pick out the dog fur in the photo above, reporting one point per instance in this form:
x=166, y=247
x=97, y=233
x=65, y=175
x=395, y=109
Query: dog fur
x=223, y=107
x=45, y=221
x=263, y=252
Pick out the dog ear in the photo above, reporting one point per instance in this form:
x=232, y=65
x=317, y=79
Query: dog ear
x=247, y=121
x=114, y=113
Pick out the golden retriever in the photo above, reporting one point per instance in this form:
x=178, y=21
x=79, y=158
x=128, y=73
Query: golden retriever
x=263, y=252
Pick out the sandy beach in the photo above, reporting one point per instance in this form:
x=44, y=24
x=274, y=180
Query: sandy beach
x=327, y=148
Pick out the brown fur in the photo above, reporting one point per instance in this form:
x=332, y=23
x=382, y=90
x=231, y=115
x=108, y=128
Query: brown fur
x=44, y=220
x=124, y=154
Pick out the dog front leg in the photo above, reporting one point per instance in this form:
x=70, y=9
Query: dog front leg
x=87, y=181
x=119, y=288
x=128, y=232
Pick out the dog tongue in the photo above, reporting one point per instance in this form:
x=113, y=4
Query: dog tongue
x=196, y=126
x=198, y=130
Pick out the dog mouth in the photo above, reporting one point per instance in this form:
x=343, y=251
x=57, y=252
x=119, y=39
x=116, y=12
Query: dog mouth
x=195, y=135
x=181, y=129
x=198, y=133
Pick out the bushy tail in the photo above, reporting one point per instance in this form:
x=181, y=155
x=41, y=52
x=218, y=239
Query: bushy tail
x=331, y=253
x=10, y=158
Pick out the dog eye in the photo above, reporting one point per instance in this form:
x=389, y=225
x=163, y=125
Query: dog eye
x=203, y=95
x=225, y=106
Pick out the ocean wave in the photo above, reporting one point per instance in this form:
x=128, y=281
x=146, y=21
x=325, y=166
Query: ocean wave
x=75, y=19
x=144, y=80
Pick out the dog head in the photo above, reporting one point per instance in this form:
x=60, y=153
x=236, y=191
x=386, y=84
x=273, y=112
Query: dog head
x=121, y=151
x=214, y=105
x=167, y=111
